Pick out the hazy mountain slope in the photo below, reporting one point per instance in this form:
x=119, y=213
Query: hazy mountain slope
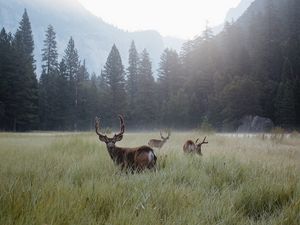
x=93, y=37
x=233, y=14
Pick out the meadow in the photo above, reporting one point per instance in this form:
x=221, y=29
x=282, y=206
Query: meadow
x=68, y=178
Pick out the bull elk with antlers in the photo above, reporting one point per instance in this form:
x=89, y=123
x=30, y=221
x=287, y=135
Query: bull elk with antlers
x=155, y=143
x=194, y=147
x=135, y=159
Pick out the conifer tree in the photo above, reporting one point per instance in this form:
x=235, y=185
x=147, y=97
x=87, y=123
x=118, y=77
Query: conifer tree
x=71, y=60
x=26, y=115
x=170, y=82
x=84, y=108
x=145, y=108
x=113, y=74
x=285, y=103
x=64, y=98
x=132, y=78
x=50, y=55
x=48, y=83
x=7, y=79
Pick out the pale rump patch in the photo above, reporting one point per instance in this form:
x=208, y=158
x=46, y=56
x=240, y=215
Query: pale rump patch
x=150, y=156
x=191, y=148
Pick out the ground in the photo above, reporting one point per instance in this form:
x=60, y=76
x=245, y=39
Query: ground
x=68, y=178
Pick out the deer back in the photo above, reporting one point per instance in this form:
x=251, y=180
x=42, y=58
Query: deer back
x=189, y=146
x=154, y=143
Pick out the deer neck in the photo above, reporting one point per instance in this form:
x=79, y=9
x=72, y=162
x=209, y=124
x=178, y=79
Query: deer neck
x=114, y=153
x=199, y=150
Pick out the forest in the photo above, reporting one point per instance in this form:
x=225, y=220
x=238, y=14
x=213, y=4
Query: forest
x=251, y=68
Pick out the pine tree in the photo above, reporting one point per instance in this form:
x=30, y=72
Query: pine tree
x=233, y=99
x=168, y=66
x=48, y=82
x=72, y=63
x=71, y=60
x=145, y=108
x=132, y=77
x=82, y=74
x=50, y=55
x=285, y=100
x=113, y=74
x=96, y=101
x=83, y=92
x=170, y=81
x=25, y=33
x=26, y=115
x=7, y=79
x=64, y=98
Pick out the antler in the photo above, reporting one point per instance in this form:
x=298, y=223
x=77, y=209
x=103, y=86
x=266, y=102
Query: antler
x=162, y=137
x=169, y=132
x=203, y=142
x=122, y=127
x=97, y=129
x=196, y=140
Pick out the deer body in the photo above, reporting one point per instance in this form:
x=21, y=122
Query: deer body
x=155, y=143
x=193, y=147
x=133, y=158
x=138, y=158
x=189, y=146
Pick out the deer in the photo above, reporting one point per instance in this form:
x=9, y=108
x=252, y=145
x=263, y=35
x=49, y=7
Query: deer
x=155, y=143
x=194, y=147
x=134, y=159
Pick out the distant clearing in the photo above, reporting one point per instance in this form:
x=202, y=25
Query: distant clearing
x=68, y=178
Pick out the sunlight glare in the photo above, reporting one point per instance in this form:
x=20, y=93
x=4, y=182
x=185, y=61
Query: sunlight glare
x=178, y=18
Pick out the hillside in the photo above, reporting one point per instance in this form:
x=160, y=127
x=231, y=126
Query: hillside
x=93, y=37
x=251, y=68
x=234, y=14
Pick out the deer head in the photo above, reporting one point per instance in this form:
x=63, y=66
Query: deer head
x=110, y=142
x=198, y=145
x=165, y=138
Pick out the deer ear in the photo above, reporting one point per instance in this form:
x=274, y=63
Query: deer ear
x=118, y=137
x=102, y=138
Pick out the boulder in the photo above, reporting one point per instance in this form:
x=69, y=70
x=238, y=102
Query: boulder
x=255, y=124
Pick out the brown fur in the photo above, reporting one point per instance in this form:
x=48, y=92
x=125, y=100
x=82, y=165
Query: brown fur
x=192, y=147
x=135, y=159
x=189, y=146
x=155, y=143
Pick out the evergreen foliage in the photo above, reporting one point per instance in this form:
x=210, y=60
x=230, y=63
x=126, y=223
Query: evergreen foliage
x=251, y=68
x=132, y=79
x=113, y=75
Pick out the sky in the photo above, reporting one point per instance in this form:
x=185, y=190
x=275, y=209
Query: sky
x=177, y=18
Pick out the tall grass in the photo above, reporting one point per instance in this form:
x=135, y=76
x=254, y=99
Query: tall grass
x=68, y=178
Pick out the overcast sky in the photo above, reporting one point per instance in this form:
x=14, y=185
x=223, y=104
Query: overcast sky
x=178, y=18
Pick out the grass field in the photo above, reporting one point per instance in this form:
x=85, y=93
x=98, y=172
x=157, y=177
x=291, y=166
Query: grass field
x=69, y=179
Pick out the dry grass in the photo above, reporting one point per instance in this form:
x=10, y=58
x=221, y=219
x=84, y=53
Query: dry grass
x=68, y=178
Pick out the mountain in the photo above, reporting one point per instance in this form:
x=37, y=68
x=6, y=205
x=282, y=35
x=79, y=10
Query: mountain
x=233, y=14
x=251, y=68
x=93, y=37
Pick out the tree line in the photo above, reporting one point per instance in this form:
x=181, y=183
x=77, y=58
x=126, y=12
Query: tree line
x=249, y=69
